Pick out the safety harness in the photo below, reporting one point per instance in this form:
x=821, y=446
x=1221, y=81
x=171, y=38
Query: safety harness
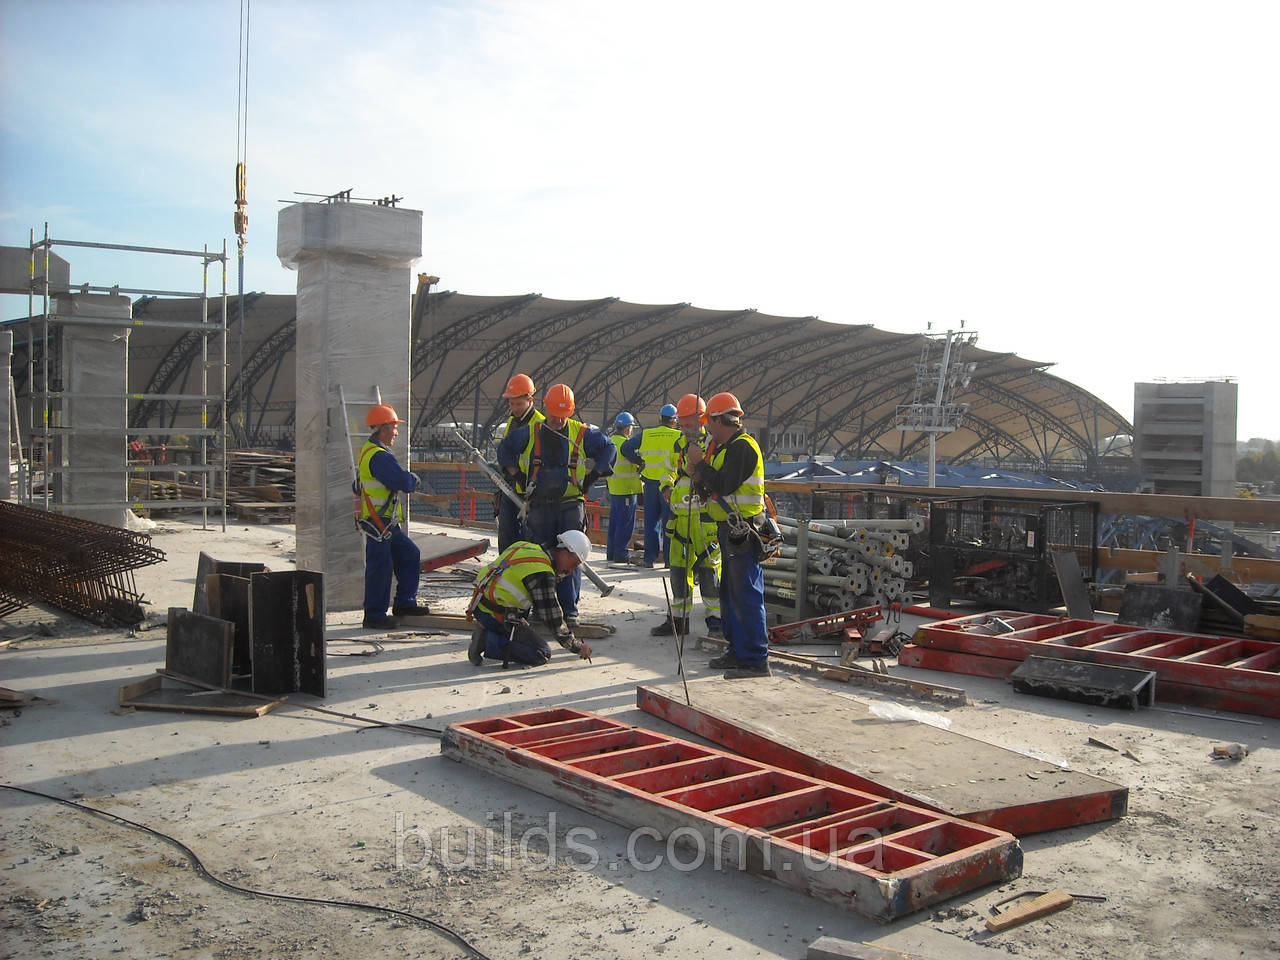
x=371, y=520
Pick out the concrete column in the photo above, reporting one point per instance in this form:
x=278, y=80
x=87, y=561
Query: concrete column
x=95, y=360
x=6, y=429
x=353, y=265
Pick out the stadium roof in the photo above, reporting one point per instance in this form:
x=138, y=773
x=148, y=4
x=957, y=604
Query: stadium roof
x=840, y=384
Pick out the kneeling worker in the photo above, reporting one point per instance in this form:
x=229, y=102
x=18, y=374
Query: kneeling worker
x=517, y=587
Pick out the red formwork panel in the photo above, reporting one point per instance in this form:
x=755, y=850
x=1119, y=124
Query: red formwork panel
x=867, y=853
x=1189, y=667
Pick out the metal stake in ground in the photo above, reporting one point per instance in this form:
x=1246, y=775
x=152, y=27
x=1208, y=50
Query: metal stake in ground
x=679, y=644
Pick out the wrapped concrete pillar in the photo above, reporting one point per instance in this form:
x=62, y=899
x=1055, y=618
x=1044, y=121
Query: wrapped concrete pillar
x=94, y=329
x=353, y=263
x=6, y=430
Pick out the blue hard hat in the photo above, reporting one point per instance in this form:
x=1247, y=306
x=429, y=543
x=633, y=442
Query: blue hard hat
x=668, y=410
x=624, y=419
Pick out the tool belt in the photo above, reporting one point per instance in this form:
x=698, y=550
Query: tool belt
x=758, y=535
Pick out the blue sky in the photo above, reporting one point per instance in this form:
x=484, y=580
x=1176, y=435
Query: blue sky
x=1091, y=183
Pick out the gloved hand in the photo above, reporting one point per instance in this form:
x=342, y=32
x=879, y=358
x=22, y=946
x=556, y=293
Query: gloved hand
x=589, y=481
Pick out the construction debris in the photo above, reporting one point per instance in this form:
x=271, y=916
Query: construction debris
x=1043, y=905
x=77, y=565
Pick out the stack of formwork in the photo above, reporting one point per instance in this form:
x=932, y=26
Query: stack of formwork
x=847, y=564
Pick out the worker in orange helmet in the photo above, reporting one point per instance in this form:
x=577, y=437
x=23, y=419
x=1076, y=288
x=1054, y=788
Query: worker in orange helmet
x=558, y=460
x=729, y=478
x=519, y=396
x=695, y=552
x=380, y=481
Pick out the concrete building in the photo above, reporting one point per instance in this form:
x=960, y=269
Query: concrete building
x=1185, y=437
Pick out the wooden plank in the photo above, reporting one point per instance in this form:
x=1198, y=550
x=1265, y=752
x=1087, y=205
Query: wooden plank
x=833, y=948
x=1041, y=906
x=457, y=623
x=1266, y=512
x=151, y=694
x=801, y=727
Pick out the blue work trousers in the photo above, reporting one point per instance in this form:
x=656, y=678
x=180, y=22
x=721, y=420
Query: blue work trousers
x=545, y=521
x=622, y=524
x=397, y=553
x=742, y=605
x=656, y=515
x=510, y=528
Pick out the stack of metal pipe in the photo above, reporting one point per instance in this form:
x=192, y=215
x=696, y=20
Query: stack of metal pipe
x=847, y=563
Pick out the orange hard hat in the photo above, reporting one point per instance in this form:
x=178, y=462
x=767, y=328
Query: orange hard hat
x=521, y=385
x=382, y=414
x=692, y=405
x=559, y=401
x=723, y=403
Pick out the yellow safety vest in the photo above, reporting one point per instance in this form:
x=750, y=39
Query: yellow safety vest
x=625, y=478
x=680, y=484
x=383, y=501
x=657, y=450
x=538, y=417
x=531, y=457
x=501, y=583
x=748, y=499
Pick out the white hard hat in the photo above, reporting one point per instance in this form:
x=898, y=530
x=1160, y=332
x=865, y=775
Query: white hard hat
x=576, y=542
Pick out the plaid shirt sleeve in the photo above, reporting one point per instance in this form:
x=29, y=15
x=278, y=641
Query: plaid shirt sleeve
x=546, y=605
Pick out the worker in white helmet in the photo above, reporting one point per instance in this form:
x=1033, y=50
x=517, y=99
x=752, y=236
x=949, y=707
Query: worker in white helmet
x=520, y=586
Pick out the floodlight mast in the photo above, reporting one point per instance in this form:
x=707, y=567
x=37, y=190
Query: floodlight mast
x=938, y=380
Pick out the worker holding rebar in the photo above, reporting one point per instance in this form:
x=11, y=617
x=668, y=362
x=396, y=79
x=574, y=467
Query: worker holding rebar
x=651, y=450
x=695, y=551
x=624, y=484
x=519, y=396
x=730, y=478
x=558, y=459
x=519, y=586
x=379, y=482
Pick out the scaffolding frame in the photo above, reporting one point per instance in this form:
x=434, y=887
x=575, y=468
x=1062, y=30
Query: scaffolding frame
x=48, y=403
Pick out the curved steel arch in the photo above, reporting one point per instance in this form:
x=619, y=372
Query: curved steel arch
x=178, y=359
x=546, y=328
x=793, y=352
x=462, y=330
x=270, y=350
x=634, y=359
x=551, y=370
x=893, y=350
x=685, y=366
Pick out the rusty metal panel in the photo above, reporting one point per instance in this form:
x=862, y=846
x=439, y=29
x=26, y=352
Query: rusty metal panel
x=876, y=856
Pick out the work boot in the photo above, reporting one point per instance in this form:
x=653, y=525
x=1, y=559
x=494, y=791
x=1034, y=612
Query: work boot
x=664, y=629
x=378, y=623
x=411, y=611
x=475, y=652
x=746, y=671
x=725, y=661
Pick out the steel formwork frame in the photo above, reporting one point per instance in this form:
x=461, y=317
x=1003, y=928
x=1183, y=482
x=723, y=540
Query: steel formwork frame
x=49, y=401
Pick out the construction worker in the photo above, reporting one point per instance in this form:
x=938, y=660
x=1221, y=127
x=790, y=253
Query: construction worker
x=521, y=584
x=695, y=552
x=558, y=460
x=519, y=396
x=380, y=481
x=730, y=477
x=652, y=450
x=624, y=484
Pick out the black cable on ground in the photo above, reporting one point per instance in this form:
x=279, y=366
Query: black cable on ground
x=204, y=871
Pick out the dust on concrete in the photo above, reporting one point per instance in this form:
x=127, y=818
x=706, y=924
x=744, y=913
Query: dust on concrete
x=305, y=805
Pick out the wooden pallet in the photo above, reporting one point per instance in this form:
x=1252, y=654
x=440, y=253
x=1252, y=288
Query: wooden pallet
x=263, y=511
x=848, y=847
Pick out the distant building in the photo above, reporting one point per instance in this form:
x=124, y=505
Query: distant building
x=1185, y=437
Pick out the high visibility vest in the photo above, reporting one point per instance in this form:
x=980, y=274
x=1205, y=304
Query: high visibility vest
x=512, y=423
x=384, y=502
x=531, y=457
x=748, y=499
x=657, y=450
x=680, y=483
x=501, y=583
x=625, y=478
